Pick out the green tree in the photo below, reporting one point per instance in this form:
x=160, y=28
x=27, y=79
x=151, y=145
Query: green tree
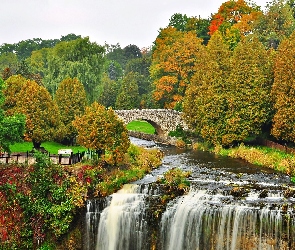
x=202, y=28
x=79, y=59
x=141, y=67
x=109, y=92
x=291, y=3
x=179, y=21
x=128, y=96
x=114, y=70
x=71, y=101
x=23, y=49
x=276, y=24
x=100, y=129
x=131, y=51
x=11, y=127
x=283, y=91
x=8, y=60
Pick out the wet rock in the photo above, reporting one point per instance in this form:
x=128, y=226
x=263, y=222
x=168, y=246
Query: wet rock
x=239, y=192
x=263, y=193
x=290, y=192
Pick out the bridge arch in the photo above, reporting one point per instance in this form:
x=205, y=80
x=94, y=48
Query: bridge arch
x=163, y=120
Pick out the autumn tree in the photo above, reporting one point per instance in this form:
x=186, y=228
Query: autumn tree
x=14, y=85
x=128, y=96
x=71, y=100
x=234, y=19
x=228, y=102
x=11, y=127
x=248, y=91
x=35, y=102
x=101, y=130
x=205, y=103
x=233, y=12
x=283, y=91
x=174, y=61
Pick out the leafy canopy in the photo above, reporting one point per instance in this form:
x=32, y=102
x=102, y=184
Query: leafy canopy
x=100, y=129
x=11, y=127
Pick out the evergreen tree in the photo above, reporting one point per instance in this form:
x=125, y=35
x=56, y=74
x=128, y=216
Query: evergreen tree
x=283, y=91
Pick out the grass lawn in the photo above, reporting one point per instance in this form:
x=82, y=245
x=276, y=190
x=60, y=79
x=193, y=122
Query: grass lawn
x=141, y=126
x=51, y=147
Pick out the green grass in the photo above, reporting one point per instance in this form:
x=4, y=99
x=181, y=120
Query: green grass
x=141, y=126
x=51, y=147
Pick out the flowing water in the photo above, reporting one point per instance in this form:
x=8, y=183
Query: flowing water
x=231, y=205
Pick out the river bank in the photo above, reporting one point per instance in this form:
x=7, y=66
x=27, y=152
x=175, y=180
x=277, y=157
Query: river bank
x=230, y=204
x=41, y=202
x=263, y=152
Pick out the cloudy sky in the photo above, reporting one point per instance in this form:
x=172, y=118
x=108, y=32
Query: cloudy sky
x=112, y=21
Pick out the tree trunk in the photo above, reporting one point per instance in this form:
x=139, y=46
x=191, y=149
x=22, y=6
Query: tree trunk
x=36, y=144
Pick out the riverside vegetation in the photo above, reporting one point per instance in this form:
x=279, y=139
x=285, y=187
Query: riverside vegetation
x=41, y=203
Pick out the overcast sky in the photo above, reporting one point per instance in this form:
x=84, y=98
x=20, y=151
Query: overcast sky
x=112, y=21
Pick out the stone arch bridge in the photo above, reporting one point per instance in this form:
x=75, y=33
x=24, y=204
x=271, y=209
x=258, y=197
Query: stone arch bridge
x=163, y=120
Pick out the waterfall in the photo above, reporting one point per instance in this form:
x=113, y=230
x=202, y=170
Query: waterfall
x=122, y=224
x=199, y=221
x=229, y=207
x=196, y=221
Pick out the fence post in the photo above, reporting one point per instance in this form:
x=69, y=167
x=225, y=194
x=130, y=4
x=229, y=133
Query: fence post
x=70, y=160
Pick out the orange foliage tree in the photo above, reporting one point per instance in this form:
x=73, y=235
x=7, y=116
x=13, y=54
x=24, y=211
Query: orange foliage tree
x=174, y=61
x=235, y=19
x=100, y=129
x=234, y=12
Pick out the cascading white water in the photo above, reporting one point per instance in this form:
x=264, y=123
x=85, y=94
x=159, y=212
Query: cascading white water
x=210, y=217
x=122, y=224
x=199, y=221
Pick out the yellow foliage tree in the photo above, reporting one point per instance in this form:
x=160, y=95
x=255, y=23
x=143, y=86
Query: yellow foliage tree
x=283, y=91
x=71, y=100
x=100, y=129
x=34, y=101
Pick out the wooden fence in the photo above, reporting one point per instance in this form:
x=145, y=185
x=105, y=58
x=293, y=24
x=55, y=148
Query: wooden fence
x=28, y=158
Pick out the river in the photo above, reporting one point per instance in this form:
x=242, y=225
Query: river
x=231, y=205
